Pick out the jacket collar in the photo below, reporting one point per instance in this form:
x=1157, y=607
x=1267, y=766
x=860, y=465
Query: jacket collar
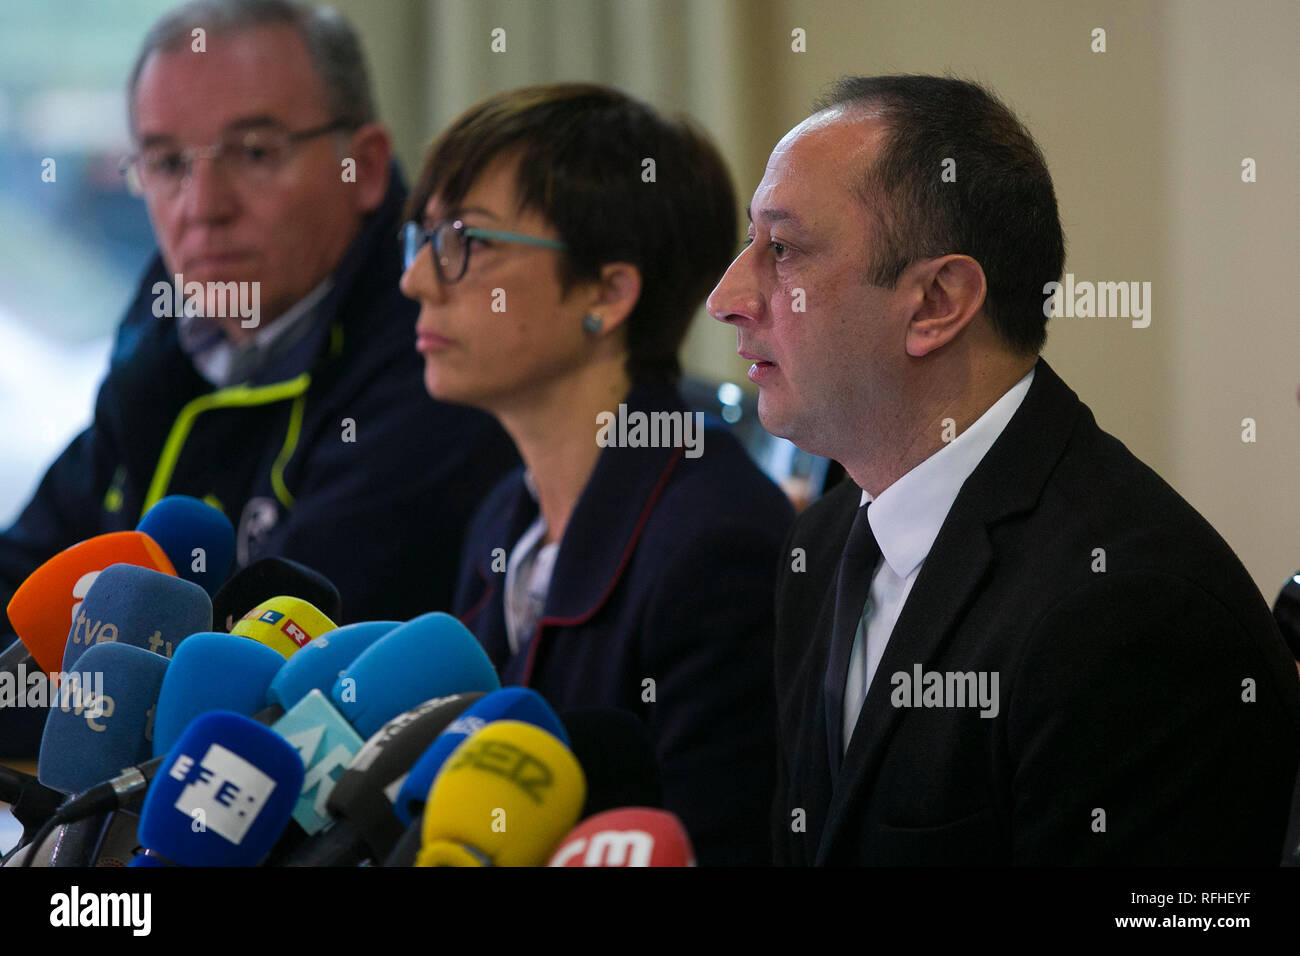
x=1008, y=481
x=607, y=519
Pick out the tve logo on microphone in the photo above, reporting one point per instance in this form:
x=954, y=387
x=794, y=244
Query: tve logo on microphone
x=224, y=792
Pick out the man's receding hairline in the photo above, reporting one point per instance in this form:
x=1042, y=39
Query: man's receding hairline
x=180, y=44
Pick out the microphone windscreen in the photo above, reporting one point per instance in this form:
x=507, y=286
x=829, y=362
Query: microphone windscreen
x=366, y=790
x=199, y=540
x=325, y=744
x=629, y=836
x=506, y=797
x=138, y=606
x=320, y=662
x=508, y=703
x=211, y=672
x=223, y=795
x=432, y=655
x=88, y=737
x=617, y=757
x=267, y=578
x=46, y=604
x=284, y=624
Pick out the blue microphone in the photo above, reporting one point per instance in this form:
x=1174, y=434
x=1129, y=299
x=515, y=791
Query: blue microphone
x=509, y=703
x=319, y=662
x=100, y=721
x=198, y=538
x=432, y=655
x=212, y=672
x=223, y=795
x=138, y=606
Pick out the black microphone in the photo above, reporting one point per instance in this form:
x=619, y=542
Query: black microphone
x=273, y=577
x=117, y=793
x=361, y=803
x=20, y=727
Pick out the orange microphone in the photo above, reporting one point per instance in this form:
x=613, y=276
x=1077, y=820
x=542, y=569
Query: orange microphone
x=44, y=607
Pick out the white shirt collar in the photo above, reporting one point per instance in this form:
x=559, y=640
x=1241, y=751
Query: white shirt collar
x=907, y=516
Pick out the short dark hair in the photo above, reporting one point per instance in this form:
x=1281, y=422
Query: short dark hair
x=582, y=152
x=1001, y=210
x=331, y=42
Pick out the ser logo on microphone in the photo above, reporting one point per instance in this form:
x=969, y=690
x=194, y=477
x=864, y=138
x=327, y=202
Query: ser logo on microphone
x=518, y=766
x=225, y=791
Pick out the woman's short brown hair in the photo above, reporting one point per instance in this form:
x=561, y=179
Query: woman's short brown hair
x=619, y=183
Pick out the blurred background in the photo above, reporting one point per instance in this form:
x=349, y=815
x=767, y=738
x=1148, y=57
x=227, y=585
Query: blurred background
x=1145, y=142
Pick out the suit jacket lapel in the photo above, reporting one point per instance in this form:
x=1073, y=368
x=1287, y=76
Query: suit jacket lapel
x=946, y=583
x=1008, y=481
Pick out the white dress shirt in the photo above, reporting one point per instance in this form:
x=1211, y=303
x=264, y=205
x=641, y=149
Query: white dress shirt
x=906, y=519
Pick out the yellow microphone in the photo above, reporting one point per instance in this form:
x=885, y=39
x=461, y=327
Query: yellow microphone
x=505, y=797
x=283, y=624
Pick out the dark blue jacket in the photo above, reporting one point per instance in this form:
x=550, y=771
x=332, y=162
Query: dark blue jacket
x=382, y=516
x=665, y=571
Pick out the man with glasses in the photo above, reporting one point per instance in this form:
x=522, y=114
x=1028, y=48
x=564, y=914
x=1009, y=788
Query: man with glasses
x=300, y=413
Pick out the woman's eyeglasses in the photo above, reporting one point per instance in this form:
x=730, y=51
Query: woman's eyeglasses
x=451, y=241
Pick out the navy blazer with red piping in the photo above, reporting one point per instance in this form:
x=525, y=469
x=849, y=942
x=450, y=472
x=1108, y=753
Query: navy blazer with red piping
x=666, y=572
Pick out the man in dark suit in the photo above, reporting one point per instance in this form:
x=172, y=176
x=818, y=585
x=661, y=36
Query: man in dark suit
x=1006, y=640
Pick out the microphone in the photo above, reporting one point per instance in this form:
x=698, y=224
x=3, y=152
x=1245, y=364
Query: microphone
x=137, y=606
x=361, y=802
x=46, y=604
x=506, y=797
x=225, y=793
x=320, y=662
x=100, y=722
x=509, y=703
x=199, y=540
x=630, y=836
x=432, y=655
x=283, y=624
x=211, y=672
x=617, y=757
x=20, y=726
x=412, y=662
x=325, y=743
x=268, y=578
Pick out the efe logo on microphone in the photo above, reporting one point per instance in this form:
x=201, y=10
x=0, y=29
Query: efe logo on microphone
x=224, y=791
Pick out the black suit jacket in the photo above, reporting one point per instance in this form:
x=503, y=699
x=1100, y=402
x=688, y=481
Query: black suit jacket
x=1147, y=713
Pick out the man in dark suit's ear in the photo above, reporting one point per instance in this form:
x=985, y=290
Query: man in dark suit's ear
x=1005, y=639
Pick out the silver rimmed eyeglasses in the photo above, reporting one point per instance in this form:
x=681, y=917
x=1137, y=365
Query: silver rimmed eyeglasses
x=451, y=241
x=250, y=156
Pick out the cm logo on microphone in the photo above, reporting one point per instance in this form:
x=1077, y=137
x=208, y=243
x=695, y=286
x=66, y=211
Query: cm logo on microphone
x=518, y=766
